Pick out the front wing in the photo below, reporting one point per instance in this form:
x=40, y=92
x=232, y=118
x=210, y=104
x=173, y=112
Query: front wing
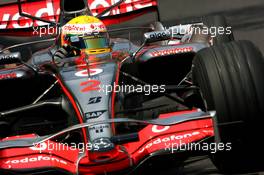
x=167, y=134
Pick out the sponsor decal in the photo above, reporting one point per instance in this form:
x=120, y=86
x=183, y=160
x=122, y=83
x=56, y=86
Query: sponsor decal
x=10, y=18
x=94, y=100
x=12, y=56
x=159, y=129
x=171, y=51
x=75, y=28
x=39, y=147
x=103, y=143
x=83, y=28
x=90, y=85
x=94, y=114
x=38, y=9
x=99, y=128
x=84, y=73
x=8, y=76
x=158, y=35
x=36, y=159
x=128, y=6
x=168, y=139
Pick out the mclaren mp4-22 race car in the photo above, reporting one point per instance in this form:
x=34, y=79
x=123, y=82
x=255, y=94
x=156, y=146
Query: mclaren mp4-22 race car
x=89, y=102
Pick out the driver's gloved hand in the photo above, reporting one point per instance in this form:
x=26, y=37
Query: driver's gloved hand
x=64, y=52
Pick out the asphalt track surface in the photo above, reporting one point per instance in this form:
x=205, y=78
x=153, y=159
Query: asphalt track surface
x=244, y=16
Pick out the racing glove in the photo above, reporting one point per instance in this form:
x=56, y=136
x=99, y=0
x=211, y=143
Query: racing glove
x=66, y=51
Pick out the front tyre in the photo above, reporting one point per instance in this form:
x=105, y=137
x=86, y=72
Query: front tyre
x=230, y=77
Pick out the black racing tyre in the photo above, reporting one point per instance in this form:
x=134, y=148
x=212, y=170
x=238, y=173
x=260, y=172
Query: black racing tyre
x=219, y=22
x=230, y=77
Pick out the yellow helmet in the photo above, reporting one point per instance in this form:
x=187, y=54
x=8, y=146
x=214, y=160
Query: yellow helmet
x=87, y=33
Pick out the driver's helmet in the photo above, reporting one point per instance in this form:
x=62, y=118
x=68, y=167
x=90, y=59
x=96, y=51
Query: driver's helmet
x=86, y=33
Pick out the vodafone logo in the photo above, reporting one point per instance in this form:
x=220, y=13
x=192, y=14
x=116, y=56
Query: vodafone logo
x=171, y=138
x=17, y=21
x=40, y=147
x=35, y=159
x=84, y=73
x=129, y=6
x=10, y=18
x=159, y=129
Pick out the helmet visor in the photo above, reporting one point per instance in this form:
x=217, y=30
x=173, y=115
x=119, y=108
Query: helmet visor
x=89, y=42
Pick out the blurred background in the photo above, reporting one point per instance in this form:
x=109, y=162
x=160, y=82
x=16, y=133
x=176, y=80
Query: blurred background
x=246, y=17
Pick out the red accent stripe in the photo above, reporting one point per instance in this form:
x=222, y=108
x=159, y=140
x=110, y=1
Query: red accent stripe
x=114, y=94
x=68, y=94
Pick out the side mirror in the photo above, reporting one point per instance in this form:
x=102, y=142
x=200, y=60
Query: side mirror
x=10, y=58
x=151, y=37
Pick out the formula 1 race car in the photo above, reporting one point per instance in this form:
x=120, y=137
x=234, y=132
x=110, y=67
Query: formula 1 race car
x=136, y=109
